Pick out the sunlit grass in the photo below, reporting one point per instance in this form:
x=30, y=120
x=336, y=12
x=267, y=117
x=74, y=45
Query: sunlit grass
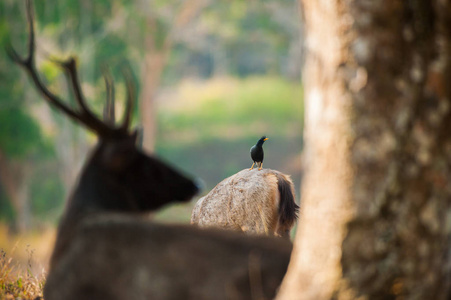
x=23, y=262
x=230, y=108
x=17, y=283
x=207, y=127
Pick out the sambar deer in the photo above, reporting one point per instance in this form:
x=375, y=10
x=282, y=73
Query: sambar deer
x=255, y=202
x=117, y=176
x=105, y=250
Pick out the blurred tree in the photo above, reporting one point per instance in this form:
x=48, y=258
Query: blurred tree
x=20, y=137
x=23, y=147
x=222, y=37
x=88, y=31
x=241, y=38
x=160, y=32
x=376, y=211
x=163, y=41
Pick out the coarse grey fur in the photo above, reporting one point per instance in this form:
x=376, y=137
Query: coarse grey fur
x=252, y=201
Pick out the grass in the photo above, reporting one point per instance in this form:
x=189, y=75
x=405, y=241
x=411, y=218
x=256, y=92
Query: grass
x=212, y=161
x=206, y=128
x=15, y=283
x=23, y=261
x=227, y=108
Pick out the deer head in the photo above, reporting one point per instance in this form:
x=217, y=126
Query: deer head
x=118, y=177
x=116, y=153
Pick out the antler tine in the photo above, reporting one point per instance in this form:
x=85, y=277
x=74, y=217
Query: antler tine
x=109, y=109
x=130, y=98
x=86, y=117
x=28, y=64
x=70, y=69
x=29, y=60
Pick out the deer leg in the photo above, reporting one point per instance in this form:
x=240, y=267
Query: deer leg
x=252, y=166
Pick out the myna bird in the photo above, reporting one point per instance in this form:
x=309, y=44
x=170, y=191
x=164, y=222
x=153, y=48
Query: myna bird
x=257, y=152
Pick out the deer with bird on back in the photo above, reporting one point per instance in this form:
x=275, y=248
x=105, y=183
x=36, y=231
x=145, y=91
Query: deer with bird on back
x=258, y=202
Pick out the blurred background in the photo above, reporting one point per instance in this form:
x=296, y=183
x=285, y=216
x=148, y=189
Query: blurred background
x=212, y=77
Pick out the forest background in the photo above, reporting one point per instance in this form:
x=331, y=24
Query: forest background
x=212, y=77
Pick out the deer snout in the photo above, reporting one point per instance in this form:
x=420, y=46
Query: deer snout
x=186, y=191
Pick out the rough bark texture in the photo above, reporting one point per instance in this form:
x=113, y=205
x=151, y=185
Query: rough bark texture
x=376, y=214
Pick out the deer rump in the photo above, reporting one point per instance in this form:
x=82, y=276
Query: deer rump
x=255, y=202
x=136, y=259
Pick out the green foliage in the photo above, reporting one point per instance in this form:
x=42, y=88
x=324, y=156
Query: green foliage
x=19, y=134
x=235, y=38
x=47, y=196
x=209, y=133
x=256, y=36
x=6, y=210
x=215, y=159
x=257, y=105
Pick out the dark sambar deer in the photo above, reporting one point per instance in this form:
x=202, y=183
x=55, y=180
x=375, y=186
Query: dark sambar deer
x=117, y=177
x=104, y=250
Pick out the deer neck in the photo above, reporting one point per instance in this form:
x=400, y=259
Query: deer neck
x=97, y=192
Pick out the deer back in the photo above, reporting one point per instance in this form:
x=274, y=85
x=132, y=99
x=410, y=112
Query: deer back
x=121, y=257
x=256, y=202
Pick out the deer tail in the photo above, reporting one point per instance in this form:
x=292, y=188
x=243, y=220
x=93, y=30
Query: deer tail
x=288, y=209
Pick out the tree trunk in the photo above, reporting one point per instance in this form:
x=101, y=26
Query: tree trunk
x=14, y=177
x=155, y=61
x=376, y=198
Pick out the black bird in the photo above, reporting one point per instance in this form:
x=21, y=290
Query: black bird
x=257, y=152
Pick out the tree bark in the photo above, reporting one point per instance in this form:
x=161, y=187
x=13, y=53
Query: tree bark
x=375, y=211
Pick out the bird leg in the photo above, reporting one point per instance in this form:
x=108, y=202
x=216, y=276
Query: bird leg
x=252, y=166
x=261, y=166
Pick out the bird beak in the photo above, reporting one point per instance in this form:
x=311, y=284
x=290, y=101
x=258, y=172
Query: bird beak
x=265, y=139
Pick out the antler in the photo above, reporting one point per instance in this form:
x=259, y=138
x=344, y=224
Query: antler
x=130, y=96
x=109, y=109
x=84, y=115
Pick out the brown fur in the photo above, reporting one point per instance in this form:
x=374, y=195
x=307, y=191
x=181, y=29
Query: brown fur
x=249, y=201
x=124, y=257
x=104, y=250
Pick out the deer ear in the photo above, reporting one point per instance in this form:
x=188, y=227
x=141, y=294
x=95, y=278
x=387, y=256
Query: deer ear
x=117, y=156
